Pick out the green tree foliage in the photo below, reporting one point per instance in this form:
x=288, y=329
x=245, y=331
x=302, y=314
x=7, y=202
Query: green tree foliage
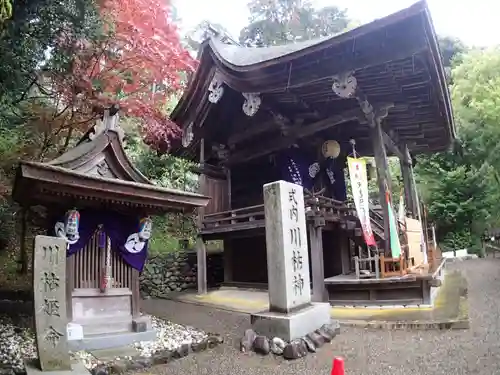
x=29, y=37
x=461, y=186
x=451, y=49
x=476, y=95
x=275, y=22
x=459, y=196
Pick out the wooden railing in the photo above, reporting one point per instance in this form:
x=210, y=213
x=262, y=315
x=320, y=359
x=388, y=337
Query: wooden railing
x=241, y=218
x=491, y=249
x=377, y=221
x=328, y=208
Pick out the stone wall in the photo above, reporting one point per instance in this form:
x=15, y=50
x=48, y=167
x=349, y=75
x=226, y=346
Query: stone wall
x=176, y=272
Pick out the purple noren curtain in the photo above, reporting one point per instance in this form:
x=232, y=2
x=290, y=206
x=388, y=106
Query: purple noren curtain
x=118, y=227
x=294, y=167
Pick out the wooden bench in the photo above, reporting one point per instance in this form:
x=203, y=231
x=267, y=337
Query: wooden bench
x=391, y=267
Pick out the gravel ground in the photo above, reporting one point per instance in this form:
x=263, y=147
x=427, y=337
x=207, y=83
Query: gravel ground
x=474, y=351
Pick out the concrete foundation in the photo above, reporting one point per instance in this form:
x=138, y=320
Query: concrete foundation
x=293, y=325
x=77, y=368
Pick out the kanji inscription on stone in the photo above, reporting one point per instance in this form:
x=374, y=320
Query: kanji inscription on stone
x=286, y=243
x=49, y=286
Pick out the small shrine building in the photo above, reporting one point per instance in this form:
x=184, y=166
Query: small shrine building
x=101, y=204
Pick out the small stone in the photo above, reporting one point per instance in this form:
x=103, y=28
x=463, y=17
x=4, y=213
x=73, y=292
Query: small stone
x=336, y=326
x=135, y=366
x=261, y=345
x=277, y=346
x=214, y=340
x=309, y=344
x=100, y=370
x=332, y=329
x=182, y=351
x=145, y=362
x=247, y=340
x=316, y=339
x=296, y=349
x=199, y=346
x=118, y=367
x=162, y=357
x=326, y=333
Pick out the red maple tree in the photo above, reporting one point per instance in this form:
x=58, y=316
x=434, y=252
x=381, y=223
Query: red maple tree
x=137, y=65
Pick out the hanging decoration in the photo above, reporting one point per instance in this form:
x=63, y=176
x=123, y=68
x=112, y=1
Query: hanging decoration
x=330, y=149
x=359, y=186
x=221, y=151
x=314, y=169
x=215, y=89
x=251, y=104
x=136, y=241
x=393, y=227
x=345, y=85
x=187, y=135
x=69, y=229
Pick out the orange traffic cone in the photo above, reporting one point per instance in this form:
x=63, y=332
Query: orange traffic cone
x=338, y=366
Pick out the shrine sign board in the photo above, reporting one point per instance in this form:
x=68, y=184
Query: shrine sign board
x=287, y=251
x=49, y=300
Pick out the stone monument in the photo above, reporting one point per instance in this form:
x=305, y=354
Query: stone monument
x=49, y=302
x=291, y=313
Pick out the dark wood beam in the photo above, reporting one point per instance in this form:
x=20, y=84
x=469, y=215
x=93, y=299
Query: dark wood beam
x=201, y=250
x=251, y=132
x=392, y=146
x=374, y=116
x=382, y=177
x=279, y=120
x=296, y=132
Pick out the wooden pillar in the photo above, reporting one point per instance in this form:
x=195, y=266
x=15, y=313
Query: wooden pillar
x=70, y=286
x=344, y=252
x=201, y=251
x=317, y=262
x=410, y=190
x=201, y=255
x=23, y=258
x=382, y=177
x=229, y=194
x=136, y=294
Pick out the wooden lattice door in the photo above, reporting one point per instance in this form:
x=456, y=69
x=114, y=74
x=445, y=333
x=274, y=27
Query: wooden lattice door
x=101, y=312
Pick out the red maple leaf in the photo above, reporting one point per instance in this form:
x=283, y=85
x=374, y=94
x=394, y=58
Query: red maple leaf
x=137, y=65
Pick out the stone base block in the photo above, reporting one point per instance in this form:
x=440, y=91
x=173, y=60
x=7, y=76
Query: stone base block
x=32, y=368
x=142, y=324
x=294, y=325
x=96, y=342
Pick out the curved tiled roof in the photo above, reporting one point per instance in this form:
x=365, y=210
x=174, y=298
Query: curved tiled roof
x=395, y=59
